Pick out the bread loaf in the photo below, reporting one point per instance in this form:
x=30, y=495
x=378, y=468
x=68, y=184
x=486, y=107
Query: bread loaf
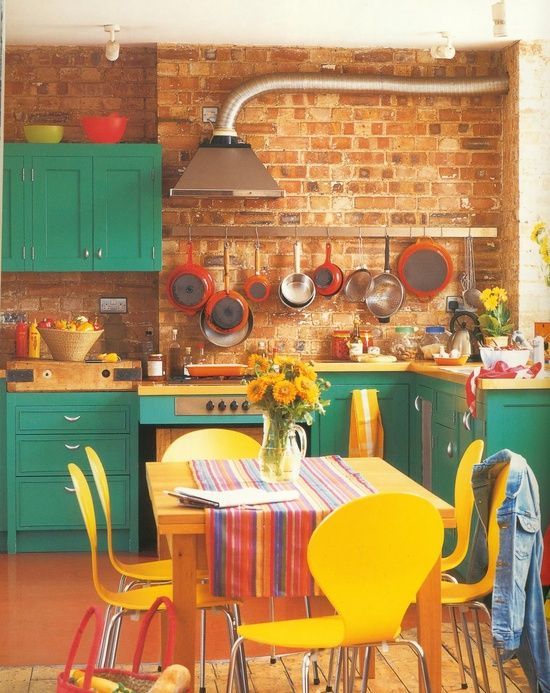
x=174, y=679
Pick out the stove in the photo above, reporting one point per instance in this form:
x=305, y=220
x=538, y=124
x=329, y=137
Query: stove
x=223, y=404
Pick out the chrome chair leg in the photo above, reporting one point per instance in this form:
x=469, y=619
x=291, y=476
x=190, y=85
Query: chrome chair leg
x=369, y=653
x=235, y=617
x=334, y=653
x=316, y=679
x=202, y=653
x=480, y=649
x=458, y=648
x=419, y=652
x=272, y=657
x=469, y=650
x=498, y=659
x=305, y=672
x=232, y=660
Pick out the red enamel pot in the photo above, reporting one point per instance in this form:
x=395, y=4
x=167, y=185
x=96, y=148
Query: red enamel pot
x=257, y=287
x=425, y=268
x=328, y=277
x=189, y=286
x=226, y=311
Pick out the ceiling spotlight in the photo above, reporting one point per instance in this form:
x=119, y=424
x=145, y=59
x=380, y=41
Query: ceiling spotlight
x=498, y=11
x=446, y=51
x=112, y=47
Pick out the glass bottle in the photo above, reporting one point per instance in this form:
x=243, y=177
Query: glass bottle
x=34, y=341
x=355, y=344
x=187, y=359
x=175, y=357
x=22, y=340
x=202, y=356
x=148, y=348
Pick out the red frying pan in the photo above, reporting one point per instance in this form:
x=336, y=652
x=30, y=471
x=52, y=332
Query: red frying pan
x=328, y=277
x=257, y=287
x=425, y=268
x=226, y=311
x=189, y=285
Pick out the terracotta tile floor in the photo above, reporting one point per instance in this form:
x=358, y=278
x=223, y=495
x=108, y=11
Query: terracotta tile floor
x=43, y=597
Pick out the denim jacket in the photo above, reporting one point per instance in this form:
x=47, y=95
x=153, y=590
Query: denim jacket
x=518, y=620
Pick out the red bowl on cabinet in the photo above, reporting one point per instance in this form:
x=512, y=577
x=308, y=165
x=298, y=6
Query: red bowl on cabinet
x=104, y=129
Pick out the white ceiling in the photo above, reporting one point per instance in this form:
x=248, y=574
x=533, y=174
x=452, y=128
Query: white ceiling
x=328, y=23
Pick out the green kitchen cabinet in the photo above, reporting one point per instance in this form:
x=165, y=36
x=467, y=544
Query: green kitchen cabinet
x=3, y=475
x=330, y=433
x=46, y=431
x=80, y=207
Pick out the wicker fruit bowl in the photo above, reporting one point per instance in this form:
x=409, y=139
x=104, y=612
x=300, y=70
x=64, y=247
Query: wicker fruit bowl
x=67, y=345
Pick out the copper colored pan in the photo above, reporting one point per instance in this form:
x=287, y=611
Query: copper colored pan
x=189, y=286
x=226, y=311
x=257, y=287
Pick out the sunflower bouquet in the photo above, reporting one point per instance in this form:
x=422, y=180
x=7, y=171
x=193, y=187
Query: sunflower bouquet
x=495, y=322
x=288, y=390
x=541, y=236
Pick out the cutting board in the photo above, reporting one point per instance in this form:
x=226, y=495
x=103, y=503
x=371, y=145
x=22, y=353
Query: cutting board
x=45, y=375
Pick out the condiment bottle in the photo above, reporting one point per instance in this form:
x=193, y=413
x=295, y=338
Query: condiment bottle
x=22, y=340
x=34, y=341
x=155, y=367
x=187, y=360
x=355, y=344
x=175, y=357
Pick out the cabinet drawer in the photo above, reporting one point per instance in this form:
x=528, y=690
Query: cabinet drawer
x=49, y=455
x=44, y=504
x=444, y=410
x=72, y=418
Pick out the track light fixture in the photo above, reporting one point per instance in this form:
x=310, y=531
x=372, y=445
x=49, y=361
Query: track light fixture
x=446, y=51
x=112, y=47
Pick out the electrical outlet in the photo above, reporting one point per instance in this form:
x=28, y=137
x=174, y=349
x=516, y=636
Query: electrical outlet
x=453, y=303
x=113, y=305
x=209, y=114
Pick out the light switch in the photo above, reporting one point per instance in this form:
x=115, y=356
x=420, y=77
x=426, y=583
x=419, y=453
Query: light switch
x=113, y=305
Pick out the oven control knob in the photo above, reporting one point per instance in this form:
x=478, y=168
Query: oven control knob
x=222, y=406
x=245, y=405
x=234, y=405
x=209, y=405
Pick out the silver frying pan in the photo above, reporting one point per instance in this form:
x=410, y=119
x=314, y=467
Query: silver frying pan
x=387, y=293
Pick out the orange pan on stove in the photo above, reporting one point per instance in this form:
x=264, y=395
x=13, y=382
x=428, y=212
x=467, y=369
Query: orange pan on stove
x=425, y=268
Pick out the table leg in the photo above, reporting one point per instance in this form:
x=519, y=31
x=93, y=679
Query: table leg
x=184, y=560
x=428, y=607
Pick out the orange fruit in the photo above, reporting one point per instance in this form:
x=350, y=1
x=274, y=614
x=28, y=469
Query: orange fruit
x=85, y=327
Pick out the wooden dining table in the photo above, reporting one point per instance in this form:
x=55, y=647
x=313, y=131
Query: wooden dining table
x=181, y=533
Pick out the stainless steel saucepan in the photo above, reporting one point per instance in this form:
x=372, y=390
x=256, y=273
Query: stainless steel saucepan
x=297, y=290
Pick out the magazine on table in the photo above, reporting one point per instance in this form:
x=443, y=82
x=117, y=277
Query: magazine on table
x=199, y=498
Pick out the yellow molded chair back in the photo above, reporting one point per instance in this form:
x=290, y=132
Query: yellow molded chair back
x=147, y=571
x=464, y=504
x=370, y=557
x=211, y=443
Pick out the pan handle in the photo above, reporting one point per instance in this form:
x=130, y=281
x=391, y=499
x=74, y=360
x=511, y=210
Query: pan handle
x=297, y=250
x=189, y=253
x=226, y=266
x=328, y=252
x=387, y=253
x=257, y=259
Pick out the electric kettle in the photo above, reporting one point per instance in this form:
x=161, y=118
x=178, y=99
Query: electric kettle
x=461, y=341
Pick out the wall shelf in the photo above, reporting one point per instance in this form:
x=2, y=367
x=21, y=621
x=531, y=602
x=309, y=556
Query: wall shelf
x=338, y=232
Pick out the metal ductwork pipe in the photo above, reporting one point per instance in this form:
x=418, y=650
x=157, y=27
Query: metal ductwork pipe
x=227, y=167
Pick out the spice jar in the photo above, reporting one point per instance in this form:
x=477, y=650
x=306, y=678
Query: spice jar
x=435, y=338
x=155, y=367
x=339, y=348
x=403, y=344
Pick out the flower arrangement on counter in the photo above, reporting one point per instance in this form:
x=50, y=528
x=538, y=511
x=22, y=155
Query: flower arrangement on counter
x=495, y=322
x=288, y=390
x=541, y=235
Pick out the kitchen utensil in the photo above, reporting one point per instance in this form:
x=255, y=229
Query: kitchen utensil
x=43, y=134
x=257, y=287
x=472, y=295
x=387, y=293
x=104, y=129
x=328, y=277
x=425, y=268
x=226, y=311
x=359, y=282
x=229, y=339
x=297, y=290
x=460, y=361
x=216, y=370
x=189, y=286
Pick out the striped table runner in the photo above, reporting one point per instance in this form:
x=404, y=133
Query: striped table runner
x=261, y=550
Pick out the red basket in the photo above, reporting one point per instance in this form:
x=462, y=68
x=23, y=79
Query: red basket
x=134, y=679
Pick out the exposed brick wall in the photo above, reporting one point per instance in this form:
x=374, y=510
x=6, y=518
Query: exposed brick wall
x=343, y=160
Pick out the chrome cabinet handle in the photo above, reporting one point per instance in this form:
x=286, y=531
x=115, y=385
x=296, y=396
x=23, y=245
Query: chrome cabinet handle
x=86, y=253
x=100, y=253
x=69, y=489
x=32, y=252
x=71, y=419
x=450, y=449
x=466, y=420
x=153, y=252
x=417, y=401
x=24, y=252
x=72, y=447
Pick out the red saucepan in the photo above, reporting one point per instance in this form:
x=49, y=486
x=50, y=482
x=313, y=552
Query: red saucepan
x=425, y=268
x=189, y=285
x=226, y=311
x=328, y=277
x=257, y=287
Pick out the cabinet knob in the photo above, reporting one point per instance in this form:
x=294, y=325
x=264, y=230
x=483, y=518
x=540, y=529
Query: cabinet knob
x=466, y=420
x=71, y=419
x=450, y=449
x=417, y=402
x=100, y=253
x=86, y=253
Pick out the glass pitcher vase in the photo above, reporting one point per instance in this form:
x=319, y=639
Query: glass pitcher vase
x=283, y=448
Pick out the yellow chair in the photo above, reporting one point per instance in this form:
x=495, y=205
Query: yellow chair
x=466, y=596
x=369, y=557
x=129, y=601
x=212, y=444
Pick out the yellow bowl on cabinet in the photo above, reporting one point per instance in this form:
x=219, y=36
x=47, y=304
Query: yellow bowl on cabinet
x=44, y=134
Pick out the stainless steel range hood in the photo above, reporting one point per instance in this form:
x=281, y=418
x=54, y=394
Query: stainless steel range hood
x=226, y=167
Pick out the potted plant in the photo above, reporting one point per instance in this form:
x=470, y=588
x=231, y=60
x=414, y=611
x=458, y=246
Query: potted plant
x=495, y=321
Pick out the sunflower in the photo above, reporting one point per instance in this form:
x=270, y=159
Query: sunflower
x=258, y=363
x=307, y=389
x=284, y=391
x=306, y=369
x=256, y=389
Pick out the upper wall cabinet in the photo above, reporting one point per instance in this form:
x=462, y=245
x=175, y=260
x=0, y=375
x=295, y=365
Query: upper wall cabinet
x=82, y=207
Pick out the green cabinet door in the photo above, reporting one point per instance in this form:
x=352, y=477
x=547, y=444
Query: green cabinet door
x=14, y=243
x=126, y=223
x=3, y=468
x=61, y=220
